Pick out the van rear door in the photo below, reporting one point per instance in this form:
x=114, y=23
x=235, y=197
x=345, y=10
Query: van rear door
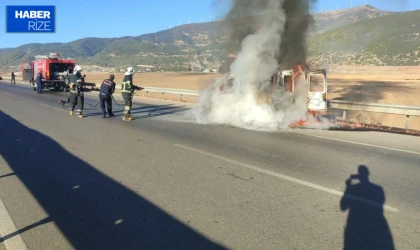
x=317, y=91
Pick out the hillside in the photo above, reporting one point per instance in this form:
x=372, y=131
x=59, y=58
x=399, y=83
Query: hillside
x=356, y=35
x=388, y=40
x=326, y=21
x=170, y=49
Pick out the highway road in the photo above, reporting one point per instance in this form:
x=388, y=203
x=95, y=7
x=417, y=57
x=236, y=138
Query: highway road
x=164, y=182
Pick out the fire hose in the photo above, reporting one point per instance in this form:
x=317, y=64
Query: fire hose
x=68, y=100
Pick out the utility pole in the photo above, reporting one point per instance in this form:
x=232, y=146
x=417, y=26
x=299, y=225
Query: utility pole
x=189, y=55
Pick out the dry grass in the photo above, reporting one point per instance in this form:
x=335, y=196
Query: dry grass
x=161, y=80
x=377, y=90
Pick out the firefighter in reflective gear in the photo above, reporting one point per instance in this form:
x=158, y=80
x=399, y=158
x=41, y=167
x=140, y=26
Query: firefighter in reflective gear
x=105, y=92
x=76, y=94
x=127, y=91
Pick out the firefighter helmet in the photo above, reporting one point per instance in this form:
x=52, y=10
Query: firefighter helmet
x=77, y=68
x=129, y=71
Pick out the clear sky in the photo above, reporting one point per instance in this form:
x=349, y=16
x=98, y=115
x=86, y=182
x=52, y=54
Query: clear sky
x=77, y=19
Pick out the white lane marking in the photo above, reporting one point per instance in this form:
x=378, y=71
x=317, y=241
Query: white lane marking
x=362, y=144
x=8, y=227
x=7, y=93
x=53, y=107
x=288, y=178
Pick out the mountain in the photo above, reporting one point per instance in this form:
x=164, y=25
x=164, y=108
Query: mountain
x=172, y=49
x=2, y=51
x=360, y=35
x=386, y=40
x=326, y=21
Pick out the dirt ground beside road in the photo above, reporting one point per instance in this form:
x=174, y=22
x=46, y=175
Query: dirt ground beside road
x=386, y=85
x=160, y=80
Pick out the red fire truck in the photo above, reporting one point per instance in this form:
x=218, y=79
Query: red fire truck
x=55, y=72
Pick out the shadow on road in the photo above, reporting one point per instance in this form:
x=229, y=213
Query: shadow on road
x=148, y=111
x=367, y=227
x=91, y=209
x=39, y=223
x=7, y=175
x=158, y=111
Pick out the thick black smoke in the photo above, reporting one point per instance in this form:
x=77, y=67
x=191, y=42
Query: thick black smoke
x=263, y=34
x=266, y=34
x=247, y=16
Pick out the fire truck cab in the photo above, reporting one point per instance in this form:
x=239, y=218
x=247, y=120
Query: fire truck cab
x=55, y=72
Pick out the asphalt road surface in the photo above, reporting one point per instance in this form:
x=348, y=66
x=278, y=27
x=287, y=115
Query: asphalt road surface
x=164, y=182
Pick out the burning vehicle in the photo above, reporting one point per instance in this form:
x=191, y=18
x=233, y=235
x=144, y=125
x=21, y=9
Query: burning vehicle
x=314, y=81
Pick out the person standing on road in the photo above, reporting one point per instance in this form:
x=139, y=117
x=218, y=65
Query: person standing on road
x=39, y=82
x=76, y=93
x=127, y=92
x=13, y=80
x=105, y=92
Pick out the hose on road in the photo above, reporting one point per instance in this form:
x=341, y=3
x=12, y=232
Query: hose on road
x=68, y=101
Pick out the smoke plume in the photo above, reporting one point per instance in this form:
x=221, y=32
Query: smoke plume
x=269, y=34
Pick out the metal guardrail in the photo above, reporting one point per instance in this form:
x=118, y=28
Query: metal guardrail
x=180, y=92
x=335, y=104
x=173, y=91
x=169, y=91
x=376, y=108
x=163, y=91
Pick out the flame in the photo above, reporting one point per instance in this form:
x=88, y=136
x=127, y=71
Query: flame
x=347, y=125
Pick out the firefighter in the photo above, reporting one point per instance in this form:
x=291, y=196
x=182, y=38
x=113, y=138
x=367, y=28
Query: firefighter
x=105, y=92
x=76, y=93
x=39, y=82
x=13, y=80
x=127, y=91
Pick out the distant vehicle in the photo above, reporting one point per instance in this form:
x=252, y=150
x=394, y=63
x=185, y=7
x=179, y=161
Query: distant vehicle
x=55, y=72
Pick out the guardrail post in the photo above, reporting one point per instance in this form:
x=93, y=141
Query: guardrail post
x=344, y=114
x=407, y=117
x=181, y=97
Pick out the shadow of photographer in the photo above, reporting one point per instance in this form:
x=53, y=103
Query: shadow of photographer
x=367, y=227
